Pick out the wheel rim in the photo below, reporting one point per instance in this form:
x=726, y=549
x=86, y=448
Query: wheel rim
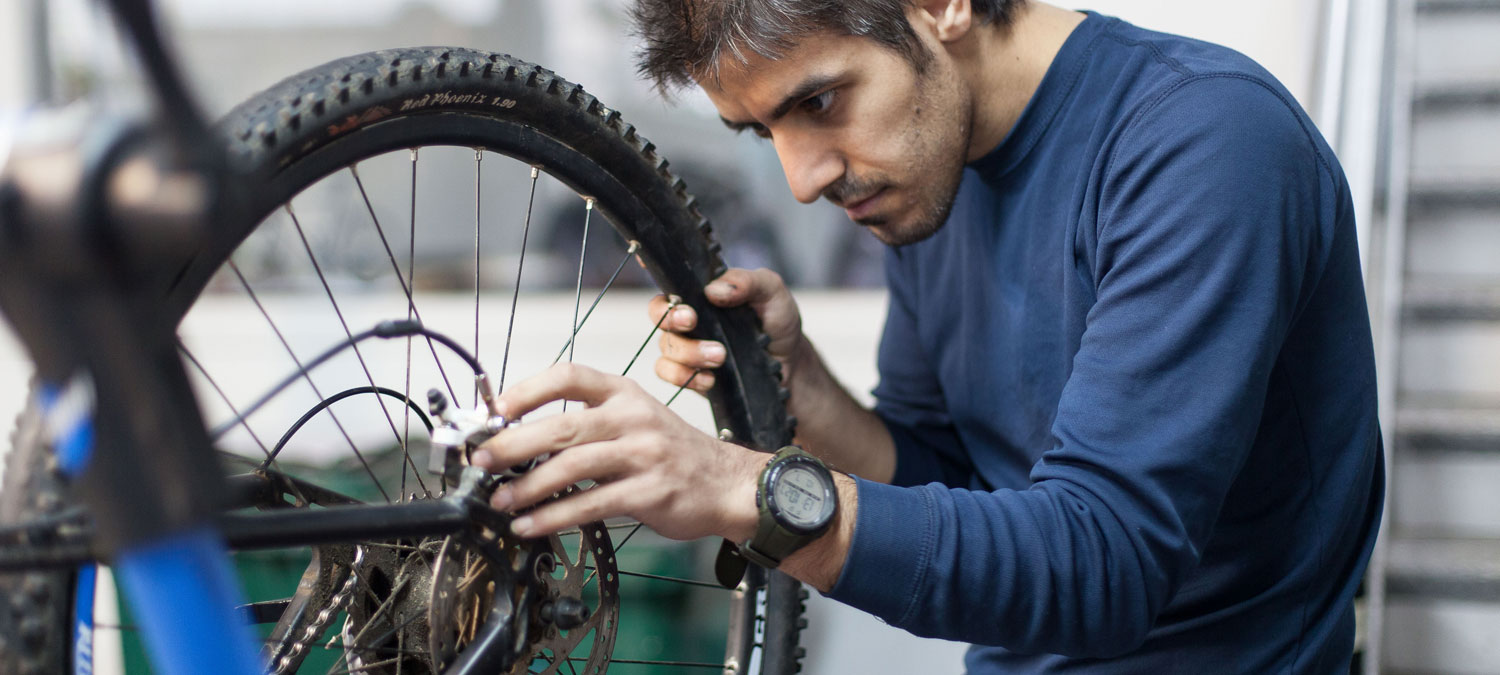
x=325, y=258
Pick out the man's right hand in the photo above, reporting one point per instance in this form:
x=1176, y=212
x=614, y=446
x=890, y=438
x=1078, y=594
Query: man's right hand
x=765, y=292
x=831, y=424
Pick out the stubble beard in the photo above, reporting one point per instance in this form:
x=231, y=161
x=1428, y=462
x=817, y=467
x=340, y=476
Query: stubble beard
x=948, y=153
x=929, y=219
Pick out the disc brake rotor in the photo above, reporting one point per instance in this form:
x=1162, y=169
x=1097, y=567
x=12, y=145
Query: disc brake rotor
x=568, y=592
x=587, y=574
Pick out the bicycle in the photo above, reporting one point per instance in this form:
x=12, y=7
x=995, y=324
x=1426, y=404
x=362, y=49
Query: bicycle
x=388, y=568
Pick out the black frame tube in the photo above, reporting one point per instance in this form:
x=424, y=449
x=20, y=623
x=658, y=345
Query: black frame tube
x=282, y=528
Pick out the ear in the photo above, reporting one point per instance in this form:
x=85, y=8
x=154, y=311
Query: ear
x=949, y=19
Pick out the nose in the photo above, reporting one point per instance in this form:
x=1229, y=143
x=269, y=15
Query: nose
x=810, y=164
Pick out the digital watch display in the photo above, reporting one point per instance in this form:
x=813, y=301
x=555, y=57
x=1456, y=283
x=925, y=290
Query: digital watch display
x=797, y=501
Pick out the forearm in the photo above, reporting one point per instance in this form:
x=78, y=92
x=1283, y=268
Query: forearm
x=834, y=426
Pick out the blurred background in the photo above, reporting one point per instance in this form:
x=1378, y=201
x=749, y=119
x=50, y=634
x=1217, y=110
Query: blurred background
x=1406, y=91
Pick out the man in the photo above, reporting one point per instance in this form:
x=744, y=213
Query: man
x=1126, y=407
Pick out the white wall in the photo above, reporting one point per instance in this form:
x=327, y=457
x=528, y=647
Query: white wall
x=14, y=17
x=1280, y=34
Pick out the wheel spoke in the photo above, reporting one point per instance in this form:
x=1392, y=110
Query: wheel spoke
x=378, y=651
x=405, y=288
x=349, y=334
x=616, y=526
x=673, y=304
x=389, y=602
x=400, y=647
x=617, y=548
x=245, y=283
x=405, y=281
x=223, y=397
x=588, y=212
x=372, y=665
x=628, y=535
x=520, y=265
x=634, y=246
x=411, y=302
x=658, y=577
x=689, y=381
x=270, y=456
x=651, y=662
x=478, y=162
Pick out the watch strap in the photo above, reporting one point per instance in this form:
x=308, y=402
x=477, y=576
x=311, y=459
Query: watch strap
x=772, y=543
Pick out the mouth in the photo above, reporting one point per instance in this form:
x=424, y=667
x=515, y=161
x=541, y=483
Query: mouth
x=863, y=207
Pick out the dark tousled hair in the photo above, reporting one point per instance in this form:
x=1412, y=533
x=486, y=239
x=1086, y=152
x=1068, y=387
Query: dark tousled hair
x=686, y=39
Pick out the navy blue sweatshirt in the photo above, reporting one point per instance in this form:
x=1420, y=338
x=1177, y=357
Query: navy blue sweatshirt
x=1131, y=384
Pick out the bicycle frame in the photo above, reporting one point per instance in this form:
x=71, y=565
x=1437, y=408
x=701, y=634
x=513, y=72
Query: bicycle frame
x=95, y=215
x=87, y=215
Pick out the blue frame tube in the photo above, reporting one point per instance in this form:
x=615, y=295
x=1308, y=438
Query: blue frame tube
x=83, y=619
x=183, y=595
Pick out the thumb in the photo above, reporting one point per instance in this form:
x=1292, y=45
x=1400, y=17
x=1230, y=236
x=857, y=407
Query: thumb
x=766, y=293
x=739, y=286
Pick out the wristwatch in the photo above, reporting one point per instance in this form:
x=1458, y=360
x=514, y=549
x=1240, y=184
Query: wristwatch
x=797, y=501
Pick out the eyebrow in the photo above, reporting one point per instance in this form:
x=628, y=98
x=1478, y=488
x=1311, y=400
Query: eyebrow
x=808, y=87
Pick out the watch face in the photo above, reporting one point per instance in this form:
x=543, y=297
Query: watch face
x=801, y=497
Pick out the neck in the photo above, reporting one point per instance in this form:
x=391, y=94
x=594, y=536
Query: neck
x=1004, y=65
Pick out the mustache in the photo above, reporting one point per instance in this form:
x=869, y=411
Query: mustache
x=850, y=188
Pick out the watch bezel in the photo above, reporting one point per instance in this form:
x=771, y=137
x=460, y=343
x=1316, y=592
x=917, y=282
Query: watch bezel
x=830, y=503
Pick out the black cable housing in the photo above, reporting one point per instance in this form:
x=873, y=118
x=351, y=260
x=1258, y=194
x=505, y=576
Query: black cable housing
x=384, y=330
x=347, y=393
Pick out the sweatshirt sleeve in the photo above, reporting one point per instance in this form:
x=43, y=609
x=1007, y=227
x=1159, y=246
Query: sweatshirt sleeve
x=1205, y=235
x=909, y=398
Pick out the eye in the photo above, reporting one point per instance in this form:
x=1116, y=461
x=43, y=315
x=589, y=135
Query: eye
x=753, y=127
x=820, y=103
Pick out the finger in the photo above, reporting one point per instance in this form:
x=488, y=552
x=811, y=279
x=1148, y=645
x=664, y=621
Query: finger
x=595, y=461
x=597, y=503
x=767, y=294
x=521, y=442
x=692, y=353
x=682, y=319
x=739, y=286
x=564, y=381
x=677, y=374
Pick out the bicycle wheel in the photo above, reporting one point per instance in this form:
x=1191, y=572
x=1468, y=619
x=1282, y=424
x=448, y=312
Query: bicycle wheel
x=366, y=128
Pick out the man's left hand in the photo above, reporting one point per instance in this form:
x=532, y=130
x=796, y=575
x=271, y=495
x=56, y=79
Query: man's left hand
x=646, y=461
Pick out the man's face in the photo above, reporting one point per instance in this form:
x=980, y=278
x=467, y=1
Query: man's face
x=853, y=121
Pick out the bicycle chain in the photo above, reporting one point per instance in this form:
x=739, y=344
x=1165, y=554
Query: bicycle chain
x=320, y=622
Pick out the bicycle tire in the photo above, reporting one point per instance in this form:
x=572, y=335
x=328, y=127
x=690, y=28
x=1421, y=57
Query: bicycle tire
x=325, y=118
x=35, y=622
x=330, y=117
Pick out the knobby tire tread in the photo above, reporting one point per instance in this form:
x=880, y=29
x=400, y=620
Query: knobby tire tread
x=35, y=607
x=304, y=114
x=271, y=135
